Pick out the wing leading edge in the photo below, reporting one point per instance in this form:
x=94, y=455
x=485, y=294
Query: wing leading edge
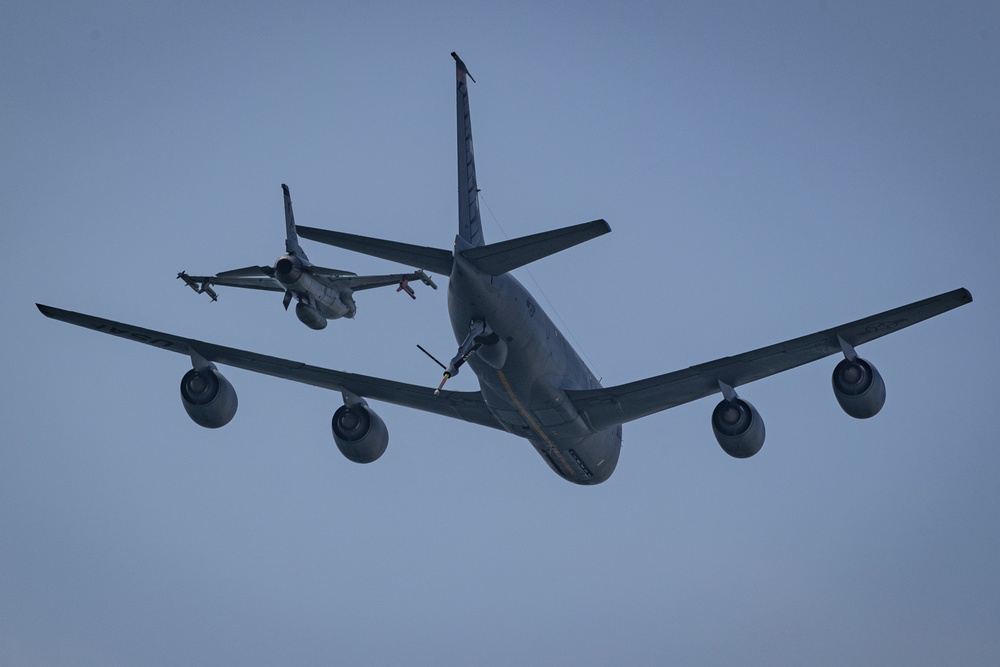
x=604, y=408
x=467, y=406
x=601, y=408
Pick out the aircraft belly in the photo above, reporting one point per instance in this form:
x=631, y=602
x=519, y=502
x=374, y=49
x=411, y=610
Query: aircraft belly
x=331, y=303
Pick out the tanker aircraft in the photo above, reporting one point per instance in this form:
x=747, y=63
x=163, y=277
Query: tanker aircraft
x=323, y=294
x=532, y=382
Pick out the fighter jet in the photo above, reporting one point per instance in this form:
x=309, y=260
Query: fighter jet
x=322, y=294
x=532, y=383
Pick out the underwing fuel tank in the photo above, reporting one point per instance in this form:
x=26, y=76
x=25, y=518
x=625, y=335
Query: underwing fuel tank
x=309, y=316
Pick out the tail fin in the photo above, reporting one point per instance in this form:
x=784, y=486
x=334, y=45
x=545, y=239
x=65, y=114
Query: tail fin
x=292, y=246
x=469, y=226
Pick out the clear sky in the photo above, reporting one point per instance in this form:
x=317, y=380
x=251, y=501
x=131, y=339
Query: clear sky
x=768, y=169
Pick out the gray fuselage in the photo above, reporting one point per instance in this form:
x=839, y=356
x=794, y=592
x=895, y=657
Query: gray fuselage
x=526, y=394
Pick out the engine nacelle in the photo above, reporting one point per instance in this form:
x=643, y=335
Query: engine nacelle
x=360, y=434
x=738, y=427
x=309, y=316
x=208, y=398
x=859, y=388
x=287, y=269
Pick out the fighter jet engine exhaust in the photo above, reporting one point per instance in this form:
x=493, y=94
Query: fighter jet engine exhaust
x=288, y=269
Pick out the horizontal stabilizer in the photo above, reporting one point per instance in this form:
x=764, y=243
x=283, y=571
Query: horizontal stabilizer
x=497, y=258
x=432, y=259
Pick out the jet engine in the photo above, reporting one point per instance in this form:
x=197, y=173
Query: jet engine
x=738, y=427
x=287, y=269
x=859, y=388
x=208, y=398
x=360, y=434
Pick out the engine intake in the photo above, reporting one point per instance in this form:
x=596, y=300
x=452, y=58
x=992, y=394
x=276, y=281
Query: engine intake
x=360, y=434
x=859, y=388
x=208, y=398
x=738, y=427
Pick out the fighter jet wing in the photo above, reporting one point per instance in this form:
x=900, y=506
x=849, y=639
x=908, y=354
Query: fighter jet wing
x=355, y=283
x=251, y=277
x=607, y=407
x=467, y=406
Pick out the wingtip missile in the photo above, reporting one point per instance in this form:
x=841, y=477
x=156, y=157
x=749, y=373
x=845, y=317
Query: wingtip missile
x=205, y=287
x=425, y=279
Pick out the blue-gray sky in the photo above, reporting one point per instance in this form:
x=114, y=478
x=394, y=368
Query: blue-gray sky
x=769, y=169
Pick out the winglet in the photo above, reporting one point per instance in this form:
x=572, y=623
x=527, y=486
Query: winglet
x=462, y=69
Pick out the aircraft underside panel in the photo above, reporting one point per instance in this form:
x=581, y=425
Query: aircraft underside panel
x=590, y=461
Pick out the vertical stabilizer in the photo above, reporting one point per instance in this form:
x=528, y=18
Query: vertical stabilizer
x=292, y=246
x=469, y=227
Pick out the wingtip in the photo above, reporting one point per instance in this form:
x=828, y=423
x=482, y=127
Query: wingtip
x=52, y=312
x=966, y=295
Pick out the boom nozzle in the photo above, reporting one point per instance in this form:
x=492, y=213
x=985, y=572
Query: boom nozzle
x=203, y=287
x=437, y=391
